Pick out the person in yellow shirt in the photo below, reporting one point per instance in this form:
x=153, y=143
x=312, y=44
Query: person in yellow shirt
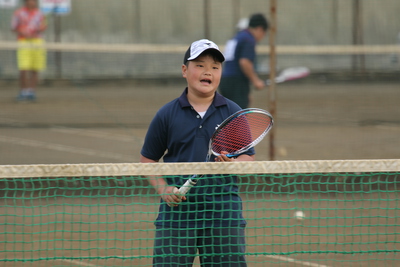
x=28, y=22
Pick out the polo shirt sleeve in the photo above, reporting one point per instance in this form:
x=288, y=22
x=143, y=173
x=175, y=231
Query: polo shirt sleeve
x=155, y=143
x=247, y=49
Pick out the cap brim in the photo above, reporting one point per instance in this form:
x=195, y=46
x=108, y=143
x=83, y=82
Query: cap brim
x=217, y=52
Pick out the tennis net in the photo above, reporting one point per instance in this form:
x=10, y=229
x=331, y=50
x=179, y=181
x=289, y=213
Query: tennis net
x=103, y=214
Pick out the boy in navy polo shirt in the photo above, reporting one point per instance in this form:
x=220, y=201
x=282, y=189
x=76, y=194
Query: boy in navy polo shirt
x=208, y=220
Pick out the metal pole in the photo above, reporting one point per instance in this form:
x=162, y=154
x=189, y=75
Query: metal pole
x=335, y=19
x=138, y=18
x=57, y=39
x=207, y=19
x=272, y=75
x=358, y=60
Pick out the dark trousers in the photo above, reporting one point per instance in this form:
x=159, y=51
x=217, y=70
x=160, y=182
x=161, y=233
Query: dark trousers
x=222, y=247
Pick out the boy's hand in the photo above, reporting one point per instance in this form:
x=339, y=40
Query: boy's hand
x=171, y=196
x=223, y=158
x=26, y=32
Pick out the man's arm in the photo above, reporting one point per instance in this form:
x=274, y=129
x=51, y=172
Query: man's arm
x=170, y=194
x=248, y=69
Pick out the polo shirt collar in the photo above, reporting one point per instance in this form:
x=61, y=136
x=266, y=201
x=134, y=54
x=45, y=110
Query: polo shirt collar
x=219, y=100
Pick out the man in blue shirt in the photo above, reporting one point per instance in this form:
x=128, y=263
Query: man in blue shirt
x=240, y=55
x=208, y=220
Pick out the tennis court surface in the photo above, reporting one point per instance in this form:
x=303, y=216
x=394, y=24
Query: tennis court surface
x=105, y=122
x=86, y=218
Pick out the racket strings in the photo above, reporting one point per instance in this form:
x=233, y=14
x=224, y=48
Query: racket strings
x=240, y=132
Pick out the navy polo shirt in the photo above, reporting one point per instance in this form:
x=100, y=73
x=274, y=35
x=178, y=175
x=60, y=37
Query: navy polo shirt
x=177, y=133
x=243, y=45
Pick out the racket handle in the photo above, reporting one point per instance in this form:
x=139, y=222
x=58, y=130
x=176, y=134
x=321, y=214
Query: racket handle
x=187, y=186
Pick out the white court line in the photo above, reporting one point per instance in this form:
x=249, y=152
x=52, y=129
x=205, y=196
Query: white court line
x=63, y=148
x=96, y=134
x=82, y=132
x=389, y=127
x=12, y=122
x=79, y=263
x=281, y=258
x=304, y=263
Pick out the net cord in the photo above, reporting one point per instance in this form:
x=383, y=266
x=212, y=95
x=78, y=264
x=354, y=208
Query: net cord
x=198, y=168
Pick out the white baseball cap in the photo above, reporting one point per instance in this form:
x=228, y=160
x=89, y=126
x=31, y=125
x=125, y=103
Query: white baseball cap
x=198, y=47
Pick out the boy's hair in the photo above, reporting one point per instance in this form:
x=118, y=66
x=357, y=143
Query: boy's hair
x=203, y=47
x=258, y=20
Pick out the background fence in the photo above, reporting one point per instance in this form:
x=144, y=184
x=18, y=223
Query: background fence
x=178, y=23
x=94, y=107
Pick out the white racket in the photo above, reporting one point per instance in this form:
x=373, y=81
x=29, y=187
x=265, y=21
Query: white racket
x=292, y=73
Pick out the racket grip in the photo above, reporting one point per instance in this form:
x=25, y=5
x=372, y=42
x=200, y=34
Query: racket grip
x=187, y=186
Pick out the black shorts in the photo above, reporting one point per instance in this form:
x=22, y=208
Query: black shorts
x=236, y=89
x=222, y=246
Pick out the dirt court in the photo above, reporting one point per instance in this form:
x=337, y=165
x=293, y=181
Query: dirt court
x=106, y=123
x=98, y=123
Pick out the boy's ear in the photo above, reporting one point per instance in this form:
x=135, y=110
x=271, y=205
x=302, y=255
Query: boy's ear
x=184, y=69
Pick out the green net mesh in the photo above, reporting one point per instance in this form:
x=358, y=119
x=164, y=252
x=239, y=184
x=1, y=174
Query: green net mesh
x=308, y=218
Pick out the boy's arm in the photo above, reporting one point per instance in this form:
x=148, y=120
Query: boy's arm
x=245, y=157
x=43, y=24
x=170, y=194
x=14, y=22
x=41, y=27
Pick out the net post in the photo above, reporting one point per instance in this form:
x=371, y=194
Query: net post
x=272, y=75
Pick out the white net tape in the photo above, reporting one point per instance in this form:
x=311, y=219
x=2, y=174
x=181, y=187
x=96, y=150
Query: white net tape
x=127, y=169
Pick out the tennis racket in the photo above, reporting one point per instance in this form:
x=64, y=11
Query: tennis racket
x=292, y=73
x=235, y=135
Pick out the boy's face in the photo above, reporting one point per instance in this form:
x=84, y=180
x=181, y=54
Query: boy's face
x=203, y=75
x=31, y=4
x=259, y=33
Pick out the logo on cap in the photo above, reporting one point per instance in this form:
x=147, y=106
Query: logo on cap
x=198, y=47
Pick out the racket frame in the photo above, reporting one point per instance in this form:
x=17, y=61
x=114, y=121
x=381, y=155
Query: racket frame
x=233, y=116
x=193, y=180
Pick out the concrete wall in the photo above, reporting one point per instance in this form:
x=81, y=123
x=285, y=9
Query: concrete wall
x=181, y=21
x=300, y=22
